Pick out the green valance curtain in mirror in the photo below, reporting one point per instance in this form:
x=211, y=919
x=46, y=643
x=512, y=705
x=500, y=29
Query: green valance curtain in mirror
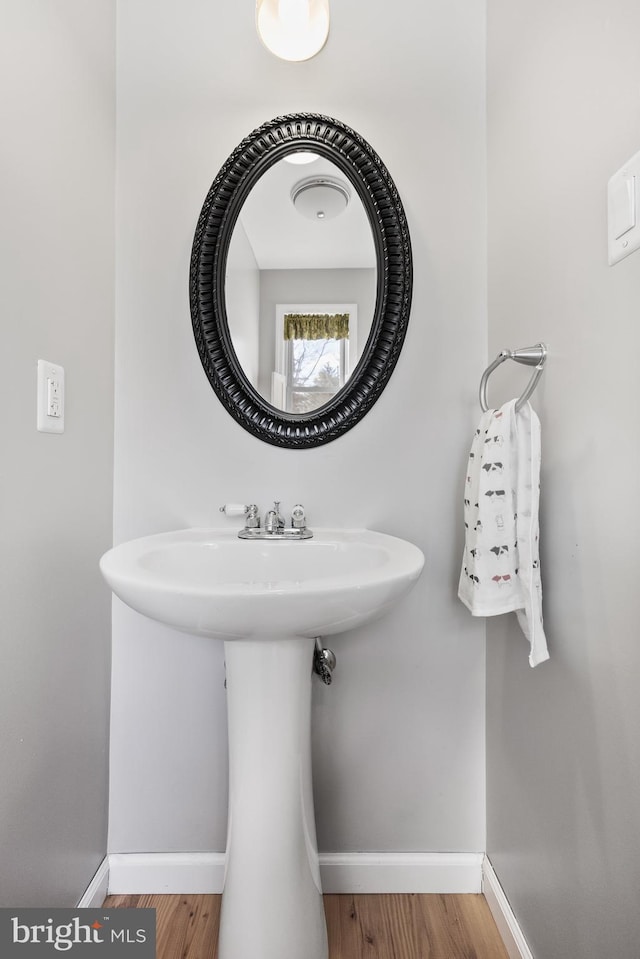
x=316, y=326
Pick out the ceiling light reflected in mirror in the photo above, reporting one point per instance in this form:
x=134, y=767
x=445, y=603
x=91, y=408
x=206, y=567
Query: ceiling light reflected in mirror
x=320, y=197
x=299, y=159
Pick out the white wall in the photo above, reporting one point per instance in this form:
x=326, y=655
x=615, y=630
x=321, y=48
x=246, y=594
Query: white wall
x=242, y=301
x=399, y=736
x=563, y=746
x=57, y=77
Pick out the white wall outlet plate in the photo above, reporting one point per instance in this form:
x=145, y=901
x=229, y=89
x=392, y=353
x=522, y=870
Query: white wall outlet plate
x=623, y=208
x=50, y=400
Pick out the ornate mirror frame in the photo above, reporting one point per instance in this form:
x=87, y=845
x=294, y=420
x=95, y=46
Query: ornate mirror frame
x=366, y=172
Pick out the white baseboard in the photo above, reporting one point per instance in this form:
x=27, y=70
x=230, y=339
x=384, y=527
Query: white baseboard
x=96, y=891
x=508, y=927
x=165, y=872
x=401, y=872
x=139, y=873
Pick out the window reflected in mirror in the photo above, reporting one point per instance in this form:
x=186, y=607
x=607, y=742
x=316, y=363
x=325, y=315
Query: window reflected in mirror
x=313, y=358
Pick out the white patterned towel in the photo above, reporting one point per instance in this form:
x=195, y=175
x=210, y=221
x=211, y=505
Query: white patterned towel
x=501, y=566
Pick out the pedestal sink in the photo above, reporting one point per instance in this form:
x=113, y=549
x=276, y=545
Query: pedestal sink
x=267, y=600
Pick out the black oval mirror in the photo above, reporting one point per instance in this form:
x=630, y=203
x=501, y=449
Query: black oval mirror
x=299, y=357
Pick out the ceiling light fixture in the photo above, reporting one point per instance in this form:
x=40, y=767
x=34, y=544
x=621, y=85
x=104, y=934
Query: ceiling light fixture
x=320, y=197
x=293, y=29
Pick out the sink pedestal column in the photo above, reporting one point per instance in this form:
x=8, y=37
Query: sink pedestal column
x=272, y=900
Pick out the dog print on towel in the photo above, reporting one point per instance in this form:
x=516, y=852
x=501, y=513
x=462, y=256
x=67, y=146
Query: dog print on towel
x=498, y=550
x=489, y=560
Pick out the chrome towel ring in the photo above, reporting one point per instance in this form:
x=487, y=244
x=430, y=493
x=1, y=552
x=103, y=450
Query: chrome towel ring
x=530, y=356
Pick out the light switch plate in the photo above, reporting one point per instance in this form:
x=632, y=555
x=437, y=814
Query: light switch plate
x=50, y=399
x=623, y=208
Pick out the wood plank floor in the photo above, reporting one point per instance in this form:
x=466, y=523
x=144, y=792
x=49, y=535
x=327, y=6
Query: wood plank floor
x=411, y=926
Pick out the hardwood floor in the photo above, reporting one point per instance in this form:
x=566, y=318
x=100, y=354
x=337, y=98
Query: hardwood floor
x=410, y=926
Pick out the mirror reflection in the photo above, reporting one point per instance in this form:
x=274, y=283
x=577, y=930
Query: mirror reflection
x=300, y=283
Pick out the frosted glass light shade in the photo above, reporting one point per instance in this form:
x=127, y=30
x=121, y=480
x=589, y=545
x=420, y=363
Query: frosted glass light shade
x=293, y=29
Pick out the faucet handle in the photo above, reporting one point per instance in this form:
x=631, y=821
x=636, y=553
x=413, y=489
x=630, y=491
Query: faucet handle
x=237, y=509
x=298, y=519
x=253, y=517
x=233, y=509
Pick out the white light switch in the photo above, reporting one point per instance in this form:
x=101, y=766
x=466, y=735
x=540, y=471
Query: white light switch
x=50, y=397
x=623, y=207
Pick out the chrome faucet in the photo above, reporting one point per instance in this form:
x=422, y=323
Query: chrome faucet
x=274, y=523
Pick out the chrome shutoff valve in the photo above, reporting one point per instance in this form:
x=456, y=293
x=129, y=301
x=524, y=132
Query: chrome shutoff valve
x=324, y=662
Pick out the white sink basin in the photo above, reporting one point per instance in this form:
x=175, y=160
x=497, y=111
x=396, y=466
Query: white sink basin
x=207, y=581
x=267, y=600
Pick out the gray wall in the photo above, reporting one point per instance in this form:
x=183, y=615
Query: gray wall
x=399, y=736
x=562, y=740
x=56, y=303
